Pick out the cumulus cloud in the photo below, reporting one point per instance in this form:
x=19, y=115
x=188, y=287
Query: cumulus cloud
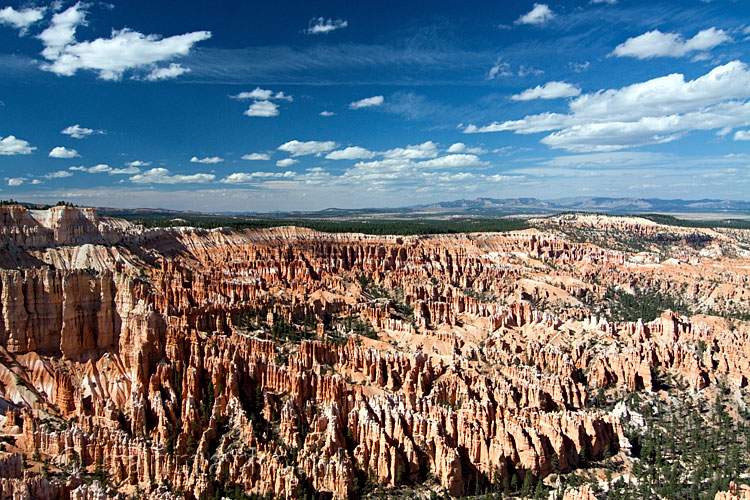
x=286, y=162
x=540, y=14
x=166, y=73
x=245, y=178
x=137, y=163
x=406, y=168
x=260, y=94
x=124, y=50
x=78, y=132
x=125, y=171
x=327, y=113
x=164, y=176
x=265, y=109
x=15, y=181
x=660, y=110
x=60, y=174
x=323, y=26
x=451, y=161
x=61, y=31
x=20, y=19
x=350, y=153
x=657, y=44
x=300, y=148
x=103, y=168
x=207, y=160
x=427, y=149
x=257, y=156
x=460, y=147
x=399, y=171
x=11, y=145
x=62, y=152
x=367, y=102
x=742, y=135
x=262, y=101
x=550, y=90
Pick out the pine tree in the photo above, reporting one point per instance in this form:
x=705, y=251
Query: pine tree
x=528, y=484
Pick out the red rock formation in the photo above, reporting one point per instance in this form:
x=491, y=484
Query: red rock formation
x=180, y=360
x=735, y=492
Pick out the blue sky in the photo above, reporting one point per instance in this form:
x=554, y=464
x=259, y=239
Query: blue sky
x=249, y=106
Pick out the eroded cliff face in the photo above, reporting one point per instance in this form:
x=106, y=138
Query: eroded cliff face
x=285, y=361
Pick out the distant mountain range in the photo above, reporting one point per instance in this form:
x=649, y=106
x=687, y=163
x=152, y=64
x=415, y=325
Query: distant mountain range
x=488, y=207
x=594, y=204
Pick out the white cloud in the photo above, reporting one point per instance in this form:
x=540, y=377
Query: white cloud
x=37, y=181
x=264, y=109
x=657, y=44
x=78, y=132
x=460, y=147
x=299, y=148
x=102, y=168
x=262, y=105
x=499, y=69
x=742, y=135
x=172, y=71
x=125, y=171
x=540, y=14
x=400, y=172
x=207, y=160
x=243, y=178
x=60, y=174
x=579, y=67
x=531, y=124
x=528, y=70
x=724, y=131
x=62, y=152
x=323, y=26
x=282, y=96
x=350, y=153
x=257, y=156
x=15, y=181
x=257, y=94
x=327, y=113
x=62, y=31
x=367, y=102
x=505, y=69
x=418, y=152
x=613, y=159
x=20, y=19
x=550, y=90
x=110, y=57
x=451, y=162
x=286, y=162
x=660, y=110
x=260, y=94
x=137, y=163
x=13, y=146
x=610, y=2
x=163, y=176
